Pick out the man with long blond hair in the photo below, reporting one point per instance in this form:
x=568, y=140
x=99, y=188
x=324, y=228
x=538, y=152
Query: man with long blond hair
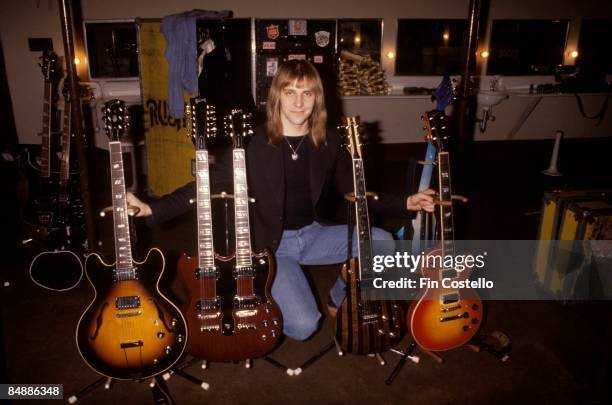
x=291, y=163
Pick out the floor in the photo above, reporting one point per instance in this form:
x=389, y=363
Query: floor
x=560, y=353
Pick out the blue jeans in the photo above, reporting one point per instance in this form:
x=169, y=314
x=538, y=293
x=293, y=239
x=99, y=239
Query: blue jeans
x=313, y=244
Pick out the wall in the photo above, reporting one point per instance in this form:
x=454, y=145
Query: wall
x=40, y=18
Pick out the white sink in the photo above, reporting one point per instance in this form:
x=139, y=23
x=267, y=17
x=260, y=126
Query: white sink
x=489, y=98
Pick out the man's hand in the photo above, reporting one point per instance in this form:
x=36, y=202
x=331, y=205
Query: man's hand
x=145, y=209
x=422, y=200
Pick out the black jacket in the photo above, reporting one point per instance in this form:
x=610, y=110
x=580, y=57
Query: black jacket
x=330, y=167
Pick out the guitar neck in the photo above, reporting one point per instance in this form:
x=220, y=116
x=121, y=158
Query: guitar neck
x=45, y=155
x=446, y=210
x=65, y=154
x=123, y=246
x=241, y=210
x=206, y=250
x=362, y=220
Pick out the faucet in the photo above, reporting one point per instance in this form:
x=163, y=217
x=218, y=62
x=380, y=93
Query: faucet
x=487, y=115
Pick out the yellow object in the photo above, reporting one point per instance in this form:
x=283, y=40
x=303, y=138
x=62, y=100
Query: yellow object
x=568, y=216
x=169, y=150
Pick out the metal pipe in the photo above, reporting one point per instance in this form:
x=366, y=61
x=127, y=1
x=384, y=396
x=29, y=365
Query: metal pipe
x=77, y=120
x=468, y=65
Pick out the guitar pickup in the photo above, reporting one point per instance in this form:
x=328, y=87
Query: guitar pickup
x=450, y=298
x=449, y=273
x=243, y=272
x=207, y=304
x=129, y=302
x=206, y=273
x=131, y=345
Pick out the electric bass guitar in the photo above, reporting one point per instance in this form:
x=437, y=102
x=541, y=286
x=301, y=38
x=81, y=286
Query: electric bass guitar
x=130, y=330
x=364, y=325
x=443, y=318
x=59, y=267
x=40, y=211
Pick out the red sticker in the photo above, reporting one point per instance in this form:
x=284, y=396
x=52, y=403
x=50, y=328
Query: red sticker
x=272, y=31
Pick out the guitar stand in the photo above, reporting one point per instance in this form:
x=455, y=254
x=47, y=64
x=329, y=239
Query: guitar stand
x=178, y=370
x=327, y=348
x=161, y=394
x=501, y=351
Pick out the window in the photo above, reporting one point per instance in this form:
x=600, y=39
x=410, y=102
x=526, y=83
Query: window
x=595, y=48
x=429, y=47
x=112, y=49
x=361, y=37
x=526, y=47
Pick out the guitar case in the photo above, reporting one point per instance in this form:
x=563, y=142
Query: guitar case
x=572, y=269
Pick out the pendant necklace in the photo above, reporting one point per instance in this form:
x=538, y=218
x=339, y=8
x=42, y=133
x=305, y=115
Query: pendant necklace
x=295, y=155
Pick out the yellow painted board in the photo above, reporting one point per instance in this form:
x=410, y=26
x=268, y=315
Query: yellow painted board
x=169, y=150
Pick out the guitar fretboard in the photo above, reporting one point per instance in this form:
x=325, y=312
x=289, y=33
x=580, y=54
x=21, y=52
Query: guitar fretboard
x=206, y=250
x=45, y=155
x=123, y=247
x=241, y=210
x=65, y=154
x=446, y=211
x=364, y=242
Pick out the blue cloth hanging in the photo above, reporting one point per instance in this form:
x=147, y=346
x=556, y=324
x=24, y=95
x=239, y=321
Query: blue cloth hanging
x=181, y=54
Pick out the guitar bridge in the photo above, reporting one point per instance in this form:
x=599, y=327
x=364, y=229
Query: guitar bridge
x=246, y=301
x=455, y=317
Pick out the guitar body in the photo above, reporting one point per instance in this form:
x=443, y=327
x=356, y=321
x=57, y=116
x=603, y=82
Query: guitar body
x=58, y=270
x=130, y=330
x=444, y=318
x=364, y=327
x=44, y=215
x=222, y=329
x=40, y=212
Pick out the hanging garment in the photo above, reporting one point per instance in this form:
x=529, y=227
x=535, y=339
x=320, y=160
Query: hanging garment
x=181, y=54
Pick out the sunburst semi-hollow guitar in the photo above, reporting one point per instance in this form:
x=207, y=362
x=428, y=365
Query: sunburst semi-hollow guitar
x=363, y=325
x=130, y=330
x=443, y=318
x=231, y=314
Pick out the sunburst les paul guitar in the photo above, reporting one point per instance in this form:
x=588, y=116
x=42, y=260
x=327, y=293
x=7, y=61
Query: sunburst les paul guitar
x=363, y=324
x=130, y=330
x=443, y=318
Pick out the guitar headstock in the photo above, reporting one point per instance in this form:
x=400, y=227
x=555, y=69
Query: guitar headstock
x=238, y=126
x=48, y=65
x=351, y=127
x=201, y=121
x=444, y=94
x=435, y=125
x=115, y=119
